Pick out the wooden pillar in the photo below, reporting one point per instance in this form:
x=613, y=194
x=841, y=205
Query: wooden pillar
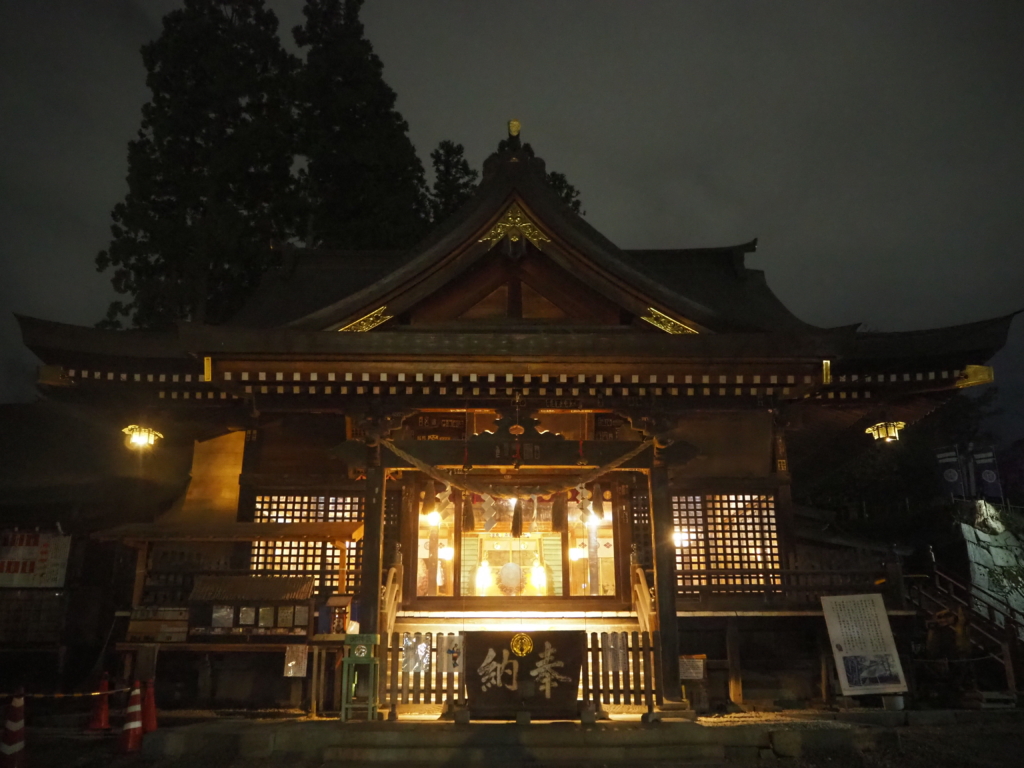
x=373, y=545
x=732, y=652
x=342, y=547
x=663, y=548
x=141, y=567
x=824, y=657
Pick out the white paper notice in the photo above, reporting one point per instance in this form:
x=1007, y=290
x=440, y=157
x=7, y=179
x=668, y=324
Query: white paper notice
x=295, y=657
x=32, y=559
x=863, y=646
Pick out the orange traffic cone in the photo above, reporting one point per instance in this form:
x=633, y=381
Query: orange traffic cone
x=131, y=731
x=12, y=746
x=148, y=707
x=101, y=708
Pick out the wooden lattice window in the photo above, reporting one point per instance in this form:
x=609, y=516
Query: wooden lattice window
x=640, y=520
x=308, y=509
x=691, y=544
x=725, y=540
x=319, y=559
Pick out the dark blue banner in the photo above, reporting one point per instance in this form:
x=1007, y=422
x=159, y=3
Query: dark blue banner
x=952, y=471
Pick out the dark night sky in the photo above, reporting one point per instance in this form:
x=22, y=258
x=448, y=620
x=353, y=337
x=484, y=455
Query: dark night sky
x=875, y=148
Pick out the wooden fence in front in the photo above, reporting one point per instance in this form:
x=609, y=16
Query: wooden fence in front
x=620, y=669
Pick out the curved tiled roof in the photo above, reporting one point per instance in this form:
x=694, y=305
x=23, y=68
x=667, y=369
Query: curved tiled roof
x=310, y=280
x=711, y=287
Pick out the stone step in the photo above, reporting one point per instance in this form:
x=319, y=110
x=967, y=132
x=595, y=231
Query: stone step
x=520, y=754
x=494, y=744
x=998, y=700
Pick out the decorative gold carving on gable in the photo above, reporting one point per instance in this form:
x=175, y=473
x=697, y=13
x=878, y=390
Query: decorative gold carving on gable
x=514, y=225
x=665, y=323
x=368, y=322
x=974, y=375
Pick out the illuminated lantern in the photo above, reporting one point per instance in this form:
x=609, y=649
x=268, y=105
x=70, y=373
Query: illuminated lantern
x=433, y=518
x=484, y=578
x=886, y=430
x=140, y=438
x=539, y=578
x=446, y=553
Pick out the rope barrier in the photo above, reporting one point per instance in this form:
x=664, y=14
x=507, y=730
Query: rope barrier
x=957, y=661
x=510, y=491
x=63, y=695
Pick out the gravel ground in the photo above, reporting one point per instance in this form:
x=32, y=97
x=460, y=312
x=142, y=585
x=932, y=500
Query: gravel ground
x=795, y=720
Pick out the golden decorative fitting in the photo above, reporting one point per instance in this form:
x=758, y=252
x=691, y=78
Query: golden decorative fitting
x=514, y=127
x=665, y=323
x=514, y=225
x=140, y=438
x=886, y=430
x=521, y=644
x=368, y=322
x=973, y=375
x=826, y=371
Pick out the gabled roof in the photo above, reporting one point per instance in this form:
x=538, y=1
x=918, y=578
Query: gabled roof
x=310, y=280
x=707, y=289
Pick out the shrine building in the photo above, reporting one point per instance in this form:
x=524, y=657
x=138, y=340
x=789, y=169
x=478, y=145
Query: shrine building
x=515, y=426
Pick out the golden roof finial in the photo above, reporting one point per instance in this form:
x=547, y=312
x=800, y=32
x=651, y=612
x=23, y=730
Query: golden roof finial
x=514, y=127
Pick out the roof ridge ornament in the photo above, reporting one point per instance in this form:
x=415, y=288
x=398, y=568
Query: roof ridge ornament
x=665, y=323
x=367, y=322
x=515, y=225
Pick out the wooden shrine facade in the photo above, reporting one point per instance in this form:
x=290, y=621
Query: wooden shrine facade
x=515, y=421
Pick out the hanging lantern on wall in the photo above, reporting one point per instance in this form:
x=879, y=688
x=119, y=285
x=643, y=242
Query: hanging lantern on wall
x=886, y=430
x=140, y=438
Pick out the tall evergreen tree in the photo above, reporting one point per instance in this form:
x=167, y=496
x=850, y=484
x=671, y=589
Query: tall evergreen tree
x=209, y=174
x=454, y=180
x=569, y=194
x=363, y=182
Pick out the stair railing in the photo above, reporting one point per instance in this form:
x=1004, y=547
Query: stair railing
x=391, y=601
x=643, y=600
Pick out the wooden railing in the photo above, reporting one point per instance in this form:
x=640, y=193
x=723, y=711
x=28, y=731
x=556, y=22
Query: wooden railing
x=994, y=625
x=416, y=669
x=391, y=600
x=780, y=585
x=619, y=670
x=992, y=609
x=643, y=600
